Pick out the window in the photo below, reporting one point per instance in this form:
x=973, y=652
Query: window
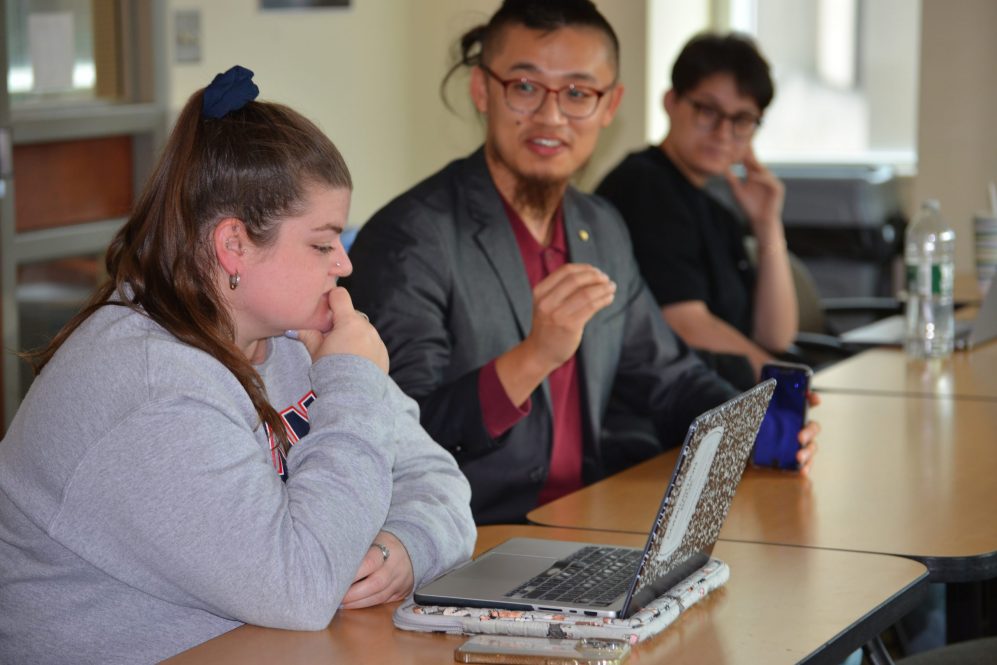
x=61, y=51
x=846, y=74
x=50, y=46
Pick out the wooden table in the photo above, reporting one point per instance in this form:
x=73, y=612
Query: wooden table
x=910, y=476
x=964, y=375
x=781, y=605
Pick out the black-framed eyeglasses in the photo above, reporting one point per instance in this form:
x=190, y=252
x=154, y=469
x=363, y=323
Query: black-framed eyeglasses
x=708, y=116
x=524, y=95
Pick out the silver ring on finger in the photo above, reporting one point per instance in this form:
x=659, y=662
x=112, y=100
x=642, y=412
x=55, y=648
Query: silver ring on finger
x=385, y=552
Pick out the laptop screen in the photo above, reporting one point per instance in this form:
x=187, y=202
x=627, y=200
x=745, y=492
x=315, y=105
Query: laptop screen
x=706, y=475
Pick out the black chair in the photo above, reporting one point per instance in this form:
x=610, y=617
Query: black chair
x=973, y=652
x=822, y=320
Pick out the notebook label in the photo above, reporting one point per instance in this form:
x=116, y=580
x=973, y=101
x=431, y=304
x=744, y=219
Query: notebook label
x=689, y=493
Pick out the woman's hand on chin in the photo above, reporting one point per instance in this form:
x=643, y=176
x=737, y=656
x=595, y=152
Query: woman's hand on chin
x=351, y=333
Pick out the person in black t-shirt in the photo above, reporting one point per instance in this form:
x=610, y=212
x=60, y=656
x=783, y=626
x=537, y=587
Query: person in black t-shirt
x=690, y=248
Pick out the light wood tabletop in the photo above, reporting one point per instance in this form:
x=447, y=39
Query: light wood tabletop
x=781, y=605
x=894, y=475
x=966, y=374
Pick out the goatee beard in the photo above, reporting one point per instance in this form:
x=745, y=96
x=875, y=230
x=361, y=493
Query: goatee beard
x=540, y=196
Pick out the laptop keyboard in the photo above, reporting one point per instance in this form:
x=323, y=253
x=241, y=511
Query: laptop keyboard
x=591, y=576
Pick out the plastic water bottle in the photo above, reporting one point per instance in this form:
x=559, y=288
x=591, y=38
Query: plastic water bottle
x=929, y=255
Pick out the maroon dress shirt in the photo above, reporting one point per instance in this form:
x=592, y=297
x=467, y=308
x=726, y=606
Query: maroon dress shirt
x=498, y=411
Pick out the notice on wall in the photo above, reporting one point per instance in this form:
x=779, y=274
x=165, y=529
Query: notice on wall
x=53, y=49
x=302, y=4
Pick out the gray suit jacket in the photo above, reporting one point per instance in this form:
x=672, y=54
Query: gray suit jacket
x=439, y=273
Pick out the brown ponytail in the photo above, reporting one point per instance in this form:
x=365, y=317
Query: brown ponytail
x=253, y=164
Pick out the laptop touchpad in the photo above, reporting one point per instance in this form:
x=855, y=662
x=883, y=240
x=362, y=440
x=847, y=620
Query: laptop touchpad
x=496, y=571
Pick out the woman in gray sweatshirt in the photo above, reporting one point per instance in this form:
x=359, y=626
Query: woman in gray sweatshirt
x=214, y=439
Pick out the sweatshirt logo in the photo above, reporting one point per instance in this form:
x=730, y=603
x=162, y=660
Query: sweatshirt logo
x=296, y=424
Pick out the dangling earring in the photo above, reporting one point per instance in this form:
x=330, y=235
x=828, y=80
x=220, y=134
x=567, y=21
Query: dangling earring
x=233, y=281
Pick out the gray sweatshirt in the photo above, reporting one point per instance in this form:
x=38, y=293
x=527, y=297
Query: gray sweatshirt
x=142, y=510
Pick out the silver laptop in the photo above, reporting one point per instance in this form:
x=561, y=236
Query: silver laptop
x=968, y=333
x=612, y=581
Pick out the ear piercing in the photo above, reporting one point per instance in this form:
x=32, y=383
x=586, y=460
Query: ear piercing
x=233, y=281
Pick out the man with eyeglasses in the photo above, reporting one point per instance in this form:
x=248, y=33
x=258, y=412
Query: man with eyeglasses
x=509, y=301
x=689, y=246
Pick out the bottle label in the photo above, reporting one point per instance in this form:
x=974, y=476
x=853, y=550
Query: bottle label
x=934, y=281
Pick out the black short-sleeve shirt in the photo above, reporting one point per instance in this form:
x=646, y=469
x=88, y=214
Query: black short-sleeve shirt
x=687, y=244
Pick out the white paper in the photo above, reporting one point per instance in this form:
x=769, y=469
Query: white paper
x=50, y=36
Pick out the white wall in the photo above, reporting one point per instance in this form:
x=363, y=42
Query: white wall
x=886, y=81
x=957, y=129
x=369, y=77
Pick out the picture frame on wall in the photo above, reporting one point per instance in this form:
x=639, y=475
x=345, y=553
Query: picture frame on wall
x=303, y=4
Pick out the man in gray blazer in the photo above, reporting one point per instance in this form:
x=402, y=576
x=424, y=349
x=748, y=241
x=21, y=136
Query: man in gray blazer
x=510, y=303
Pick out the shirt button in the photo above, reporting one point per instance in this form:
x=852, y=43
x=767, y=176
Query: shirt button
x=537, y=474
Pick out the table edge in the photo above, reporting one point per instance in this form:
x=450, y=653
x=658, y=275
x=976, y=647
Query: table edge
x=872, y=623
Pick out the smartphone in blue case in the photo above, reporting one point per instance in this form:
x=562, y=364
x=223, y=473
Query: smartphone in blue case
x=777, y=442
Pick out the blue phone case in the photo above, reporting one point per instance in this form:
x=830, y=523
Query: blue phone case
x=777, y=442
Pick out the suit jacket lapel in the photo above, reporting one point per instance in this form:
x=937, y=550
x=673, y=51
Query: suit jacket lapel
x=577, y=233
x=582, y=248
x=497, y=242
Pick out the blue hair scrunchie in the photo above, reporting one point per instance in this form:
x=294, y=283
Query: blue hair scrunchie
x=229, y=92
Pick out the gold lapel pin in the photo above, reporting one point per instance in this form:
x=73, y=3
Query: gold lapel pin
x=584, y=235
